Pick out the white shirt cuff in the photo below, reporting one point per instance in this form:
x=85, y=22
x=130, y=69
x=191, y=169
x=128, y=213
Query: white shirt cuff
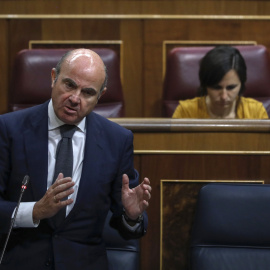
x=130, y=228
x=24, y=218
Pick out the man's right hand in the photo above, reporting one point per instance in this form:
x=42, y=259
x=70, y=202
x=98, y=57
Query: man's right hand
x=52, y=202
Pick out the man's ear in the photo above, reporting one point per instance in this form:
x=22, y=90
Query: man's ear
x=103, y=92
x=53, y=77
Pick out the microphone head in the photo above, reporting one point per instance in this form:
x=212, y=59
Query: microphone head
x=25, y=181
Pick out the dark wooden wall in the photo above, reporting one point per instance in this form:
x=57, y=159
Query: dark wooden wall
x=181, y=155
x=141, y=31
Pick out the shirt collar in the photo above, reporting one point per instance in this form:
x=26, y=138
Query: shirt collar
x=55, y=122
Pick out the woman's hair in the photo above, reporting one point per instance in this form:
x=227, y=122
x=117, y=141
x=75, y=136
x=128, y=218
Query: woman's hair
x=216, y=63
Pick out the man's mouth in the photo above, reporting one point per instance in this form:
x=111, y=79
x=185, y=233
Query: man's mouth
x=70, y=109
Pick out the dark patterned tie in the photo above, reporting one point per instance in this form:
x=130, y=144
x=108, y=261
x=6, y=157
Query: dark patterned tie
x=64, y=162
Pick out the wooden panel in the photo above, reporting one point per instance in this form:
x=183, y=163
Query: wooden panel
x=19, y=34
x=196, y=136
x=245, y=156
x=61, y=30
x=152, y=80
x=214, y=7
x=191, y=167
x=68, y=29
x=131, y=34
x=200, y=141
x=101, y=29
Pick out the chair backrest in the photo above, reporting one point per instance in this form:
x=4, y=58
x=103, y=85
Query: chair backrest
x=31, y=80
x=231, y=228
x=182, y=80
x=122, y=254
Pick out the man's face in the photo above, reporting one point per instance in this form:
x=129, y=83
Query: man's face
x=76, y=91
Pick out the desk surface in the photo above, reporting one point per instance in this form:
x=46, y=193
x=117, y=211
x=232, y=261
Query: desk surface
x=165, y=135
x=193, y=125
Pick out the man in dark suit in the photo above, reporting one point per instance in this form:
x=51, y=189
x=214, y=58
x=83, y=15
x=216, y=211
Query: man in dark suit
x=103, y=176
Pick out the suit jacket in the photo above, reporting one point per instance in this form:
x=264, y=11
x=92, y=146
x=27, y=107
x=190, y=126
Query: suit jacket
x=77, y=243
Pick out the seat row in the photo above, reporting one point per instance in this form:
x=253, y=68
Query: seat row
x=30, y=84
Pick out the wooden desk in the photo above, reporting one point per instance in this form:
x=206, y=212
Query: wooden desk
x=179, y=156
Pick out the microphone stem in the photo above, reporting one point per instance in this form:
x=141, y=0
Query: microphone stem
x=11, y=225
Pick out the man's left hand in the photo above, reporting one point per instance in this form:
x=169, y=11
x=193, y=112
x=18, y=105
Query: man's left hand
x=135, y=200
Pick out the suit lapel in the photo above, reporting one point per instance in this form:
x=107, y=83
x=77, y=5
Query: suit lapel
x=36, y=145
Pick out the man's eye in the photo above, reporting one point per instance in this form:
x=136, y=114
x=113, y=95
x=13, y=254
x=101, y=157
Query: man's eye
x=89, y=92
x=69, y=85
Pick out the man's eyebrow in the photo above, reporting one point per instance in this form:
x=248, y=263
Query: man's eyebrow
x=68, y=80
x=89, y=89
x=86, y=89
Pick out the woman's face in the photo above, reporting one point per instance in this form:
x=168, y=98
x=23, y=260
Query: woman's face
x=224, y=94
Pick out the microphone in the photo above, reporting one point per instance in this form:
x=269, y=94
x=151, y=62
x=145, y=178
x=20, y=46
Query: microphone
x=25, y=182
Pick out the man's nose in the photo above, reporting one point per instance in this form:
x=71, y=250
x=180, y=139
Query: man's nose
x=75, y=97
